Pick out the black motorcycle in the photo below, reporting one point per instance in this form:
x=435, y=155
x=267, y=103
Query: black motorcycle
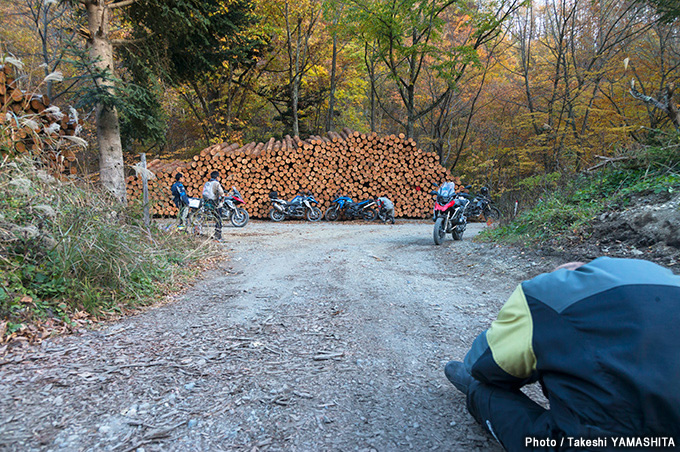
x=302, y=205
x=363, y=210
x=343, y=205
x=482, y=205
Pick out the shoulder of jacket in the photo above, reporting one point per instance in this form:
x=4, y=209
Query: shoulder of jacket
x=562, y=288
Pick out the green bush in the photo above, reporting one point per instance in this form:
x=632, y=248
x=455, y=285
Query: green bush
x=572, y=206
x=67, y=247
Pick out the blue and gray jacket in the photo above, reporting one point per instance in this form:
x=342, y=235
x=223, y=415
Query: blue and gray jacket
x=179, y=194
x=602, y=342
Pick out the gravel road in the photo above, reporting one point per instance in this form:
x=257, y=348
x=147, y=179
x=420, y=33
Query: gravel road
x=326, y=336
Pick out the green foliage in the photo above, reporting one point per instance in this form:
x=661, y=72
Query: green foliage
x=182, y=40
x=553, y=215
x=669, y=10
x=141, y=115
x=408, y=31
x=135, y=96
x=67, y=248
x=540, y=181
x=570, y=208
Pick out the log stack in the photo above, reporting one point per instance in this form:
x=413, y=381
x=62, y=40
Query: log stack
x=348, y=162
x=31, y=125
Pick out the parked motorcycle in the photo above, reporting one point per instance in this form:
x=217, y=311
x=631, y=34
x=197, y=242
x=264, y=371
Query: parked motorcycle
x=338, y=206
x=482, y=205
x=351, y=210
x=449, y=212
x=302, y=205
x=232, y=211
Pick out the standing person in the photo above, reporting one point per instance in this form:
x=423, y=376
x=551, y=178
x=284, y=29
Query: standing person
x=601, y=339
x=181, y=199
x=212, y=192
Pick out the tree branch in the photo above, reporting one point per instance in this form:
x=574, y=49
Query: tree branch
x=121, y=4
x=648, y=99
x=124, y=42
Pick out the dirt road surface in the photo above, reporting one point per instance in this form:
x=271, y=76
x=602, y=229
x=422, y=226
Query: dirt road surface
x=321, y=336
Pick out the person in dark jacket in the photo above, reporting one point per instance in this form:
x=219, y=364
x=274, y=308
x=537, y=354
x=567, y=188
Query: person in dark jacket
x=601, y=339
x=181, y=199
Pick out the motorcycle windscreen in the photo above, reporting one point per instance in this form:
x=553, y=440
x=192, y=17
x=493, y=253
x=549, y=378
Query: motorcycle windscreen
x=447, y=189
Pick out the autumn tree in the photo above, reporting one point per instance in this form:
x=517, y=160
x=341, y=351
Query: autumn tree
x=42, y=36
x=204, y=50
x=181, y=37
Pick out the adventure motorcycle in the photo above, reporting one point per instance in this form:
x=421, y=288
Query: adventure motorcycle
x=300, y=206
x=482, y=205
x=337, y=207
x=344, y=205
x=363, y=210
x=232, y=211
x=449, y=212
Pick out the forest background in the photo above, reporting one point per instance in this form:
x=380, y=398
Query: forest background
x=512, y=95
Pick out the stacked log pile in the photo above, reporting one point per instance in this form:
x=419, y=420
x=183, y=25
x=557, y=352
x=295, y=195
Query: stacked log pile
x=31, y=124
x=357, y=165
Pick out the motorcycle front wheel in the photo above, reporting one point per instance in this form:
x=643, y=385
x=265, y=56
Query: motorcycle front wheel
x=369, y=214
x=331, y=214
x=239, y=217
x=276, y=215
x=439, y=231
x=314, y=214
x=492, y=213
x=199, y=222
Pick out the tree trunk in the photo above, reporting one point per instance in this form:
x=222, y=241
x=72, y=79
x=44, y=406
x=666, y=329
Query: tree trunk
x=111, y=171
x=293, y=69
x=331, y=98
x=370, y=68
x=410, y=111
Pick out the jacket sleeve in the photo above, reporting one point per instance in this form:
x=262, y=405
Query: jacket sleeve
x=503, y=355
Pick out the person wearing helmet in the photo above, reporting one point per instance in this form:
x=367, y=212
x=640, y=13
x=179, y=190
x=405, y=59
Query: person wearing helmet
x=212, y=196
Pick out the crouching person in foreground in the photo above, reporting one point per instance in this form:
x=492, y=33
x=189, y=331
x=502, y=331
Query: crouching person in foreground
x=601, y=339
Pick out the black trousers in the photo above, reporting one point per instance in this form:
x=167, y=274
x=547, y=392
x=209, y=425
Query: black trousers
x=510, y=416
x=217, y=214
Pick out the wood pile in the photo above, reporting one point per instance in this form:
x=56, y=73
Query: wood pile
x=357, y=165
x=32, y=125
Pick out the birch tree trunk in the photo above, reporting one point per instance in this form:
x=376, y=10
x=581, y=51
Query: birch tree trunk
x=111, y=171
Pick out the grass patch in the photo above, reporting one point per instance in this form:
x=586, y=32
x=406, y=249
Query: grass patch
x=68, y=250
x=570, y=207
